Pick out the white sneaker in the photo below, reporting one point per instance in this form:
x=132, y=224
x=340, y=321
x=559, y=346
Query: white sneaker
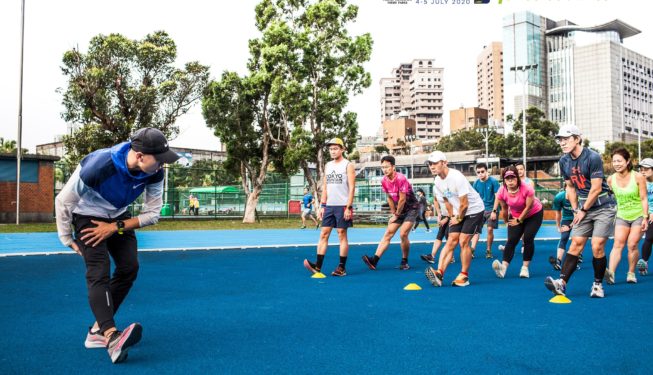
x=499, y=268
x=630, y=278
x=609, y=276
x=642, y=267
x=597, y=291
x=501, y=247
x=524, y=273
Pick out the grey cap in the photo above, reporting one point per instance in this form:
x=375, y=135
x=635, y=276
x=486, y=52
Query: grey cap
x=647, y=162
x=567, y=131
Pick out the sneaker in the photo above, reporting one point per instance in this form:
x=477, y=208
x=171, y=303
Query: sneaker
x=95, y=340
x=428, y=231
x=453, y=260
x=428, y=258
x=597, y=291
x=369, y=263
x=609, y=276
x=555, y=263
x=302, y=227
x=404, y=266
x=499, y=269
x=557, y=286
x=340, y=271
x=461, y=280
x=642, y=267
x=311, y=266
x=523, y=273
x=473, y=256
x=435, y=276
x=501, y=247
x=580, y=258
x=631, y=278
x=488, y=254
x=120, y=342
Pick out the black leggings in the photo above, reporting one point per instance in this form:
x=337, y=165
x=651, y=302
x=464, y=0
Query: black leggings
x=421, y=217
x=648, y=243
x=105, y=292
x=528, y=229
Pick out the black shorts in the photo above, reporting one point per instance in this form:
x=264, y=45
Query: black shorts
x=471, y=224
x=334, y=217
x=443, y=231
x=410, y=216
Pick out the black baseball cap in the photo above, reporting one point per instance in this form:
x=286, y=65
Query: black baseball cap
x=151, y=141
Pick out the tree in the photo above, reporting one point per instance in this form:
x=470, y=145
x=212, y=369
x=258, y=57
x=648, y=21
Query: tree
x=540, y=136
x=646, y=146
x=281, y=114
x=381, y=149
x=121, y=85
x=323, y=66
x=463, y=140
x=9, y=147
x=200, y=173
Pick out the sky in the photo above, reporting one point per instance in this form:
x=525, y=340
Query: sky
x=216, y=33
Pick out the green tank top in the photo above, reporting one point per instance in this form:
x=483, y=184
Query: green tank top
x=629, y=205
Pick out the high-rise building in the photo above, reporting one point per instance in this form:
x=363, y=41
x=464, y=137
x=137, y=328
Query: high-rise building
x=489, y=81
x=415, y=88
x=584, y=76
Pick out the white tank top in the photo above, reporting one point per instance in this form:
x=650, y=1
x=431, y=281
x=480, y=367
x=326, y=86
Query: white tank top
x=337, y=184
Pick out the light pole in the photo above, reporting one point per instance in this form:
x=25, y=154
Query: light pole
x=409, y=139
x=524, y=81
x=485, y=131
x=19, y=150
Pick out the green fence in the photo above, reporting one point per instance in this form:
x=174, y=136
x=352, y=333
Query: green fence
x=229, y=200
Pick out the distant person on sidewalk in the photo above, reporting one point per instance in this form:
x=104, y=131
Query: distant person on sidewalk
x=93, y=220
x=423, y=204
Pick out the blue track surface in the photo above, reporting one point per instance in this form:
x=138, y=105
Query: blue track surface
x=257, y=311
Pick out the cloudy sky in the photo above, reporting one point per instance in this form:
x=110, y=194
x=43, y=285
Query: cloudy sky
x=216, y=33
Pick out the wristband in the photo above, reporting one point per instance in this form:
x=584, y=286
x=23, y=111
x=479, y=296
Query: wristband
x=520, y=221
x=495, y=211
x=323, y=205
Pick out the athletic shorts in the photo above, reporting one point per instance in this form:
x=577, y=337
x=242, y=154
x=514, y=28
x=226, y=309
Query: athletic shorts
x=598, y=222
x=409, y=216
x=334, y=217
x=471, y=224
x=629, y=223
x=443, y=231
x=564, y=236
x=307, y=211
x=494, y=224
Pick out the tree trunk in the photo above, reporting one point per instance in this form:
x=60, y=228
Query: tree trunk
x=250, y=208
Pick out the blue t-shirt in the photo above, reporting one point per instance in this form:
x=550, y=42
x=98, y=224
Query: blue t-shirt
x=581, y=171
x=561, y=203
x=487, y=189
x=308, y=201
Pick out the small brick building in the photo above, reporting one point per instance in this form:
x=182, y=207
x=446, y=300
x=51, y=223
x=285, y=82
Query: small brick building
x=36, y=188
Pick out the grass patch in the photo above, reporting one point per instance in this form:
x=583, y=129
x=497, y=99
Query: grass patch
x=195, y=224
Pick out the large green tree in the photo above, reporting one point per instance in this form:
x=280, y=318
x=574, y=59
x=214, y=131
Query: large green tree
x=9, y=147
x=301, y=70
x=120, y=85
x=540, y=136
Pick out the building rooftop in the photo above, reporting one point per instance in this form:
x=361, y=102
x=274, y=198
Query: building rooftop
x=624, y=29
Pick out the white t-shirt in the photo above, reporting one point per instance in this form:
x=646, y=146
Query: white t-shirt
x=454, y=186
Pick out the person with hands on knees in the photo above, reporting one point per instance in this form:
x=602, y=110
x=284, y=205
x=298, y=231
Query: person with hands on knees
x=404, y=209
x=523, y=213
x=646, y=169
x=92, y=219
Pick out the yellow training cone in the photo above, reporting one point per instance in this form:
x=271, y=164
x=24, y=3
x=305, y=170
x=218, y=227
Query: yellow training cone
x=318, y=275
x=412, y=286
x=560, y=299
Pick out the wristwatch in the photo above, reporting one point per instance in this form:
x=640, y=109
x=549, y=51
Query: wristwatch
x=121, y=226
x=582, y=208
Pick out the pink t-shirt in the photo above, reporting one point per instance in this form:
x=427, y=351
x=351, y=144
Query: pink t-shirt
x=400, y=184
x=517, y=202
